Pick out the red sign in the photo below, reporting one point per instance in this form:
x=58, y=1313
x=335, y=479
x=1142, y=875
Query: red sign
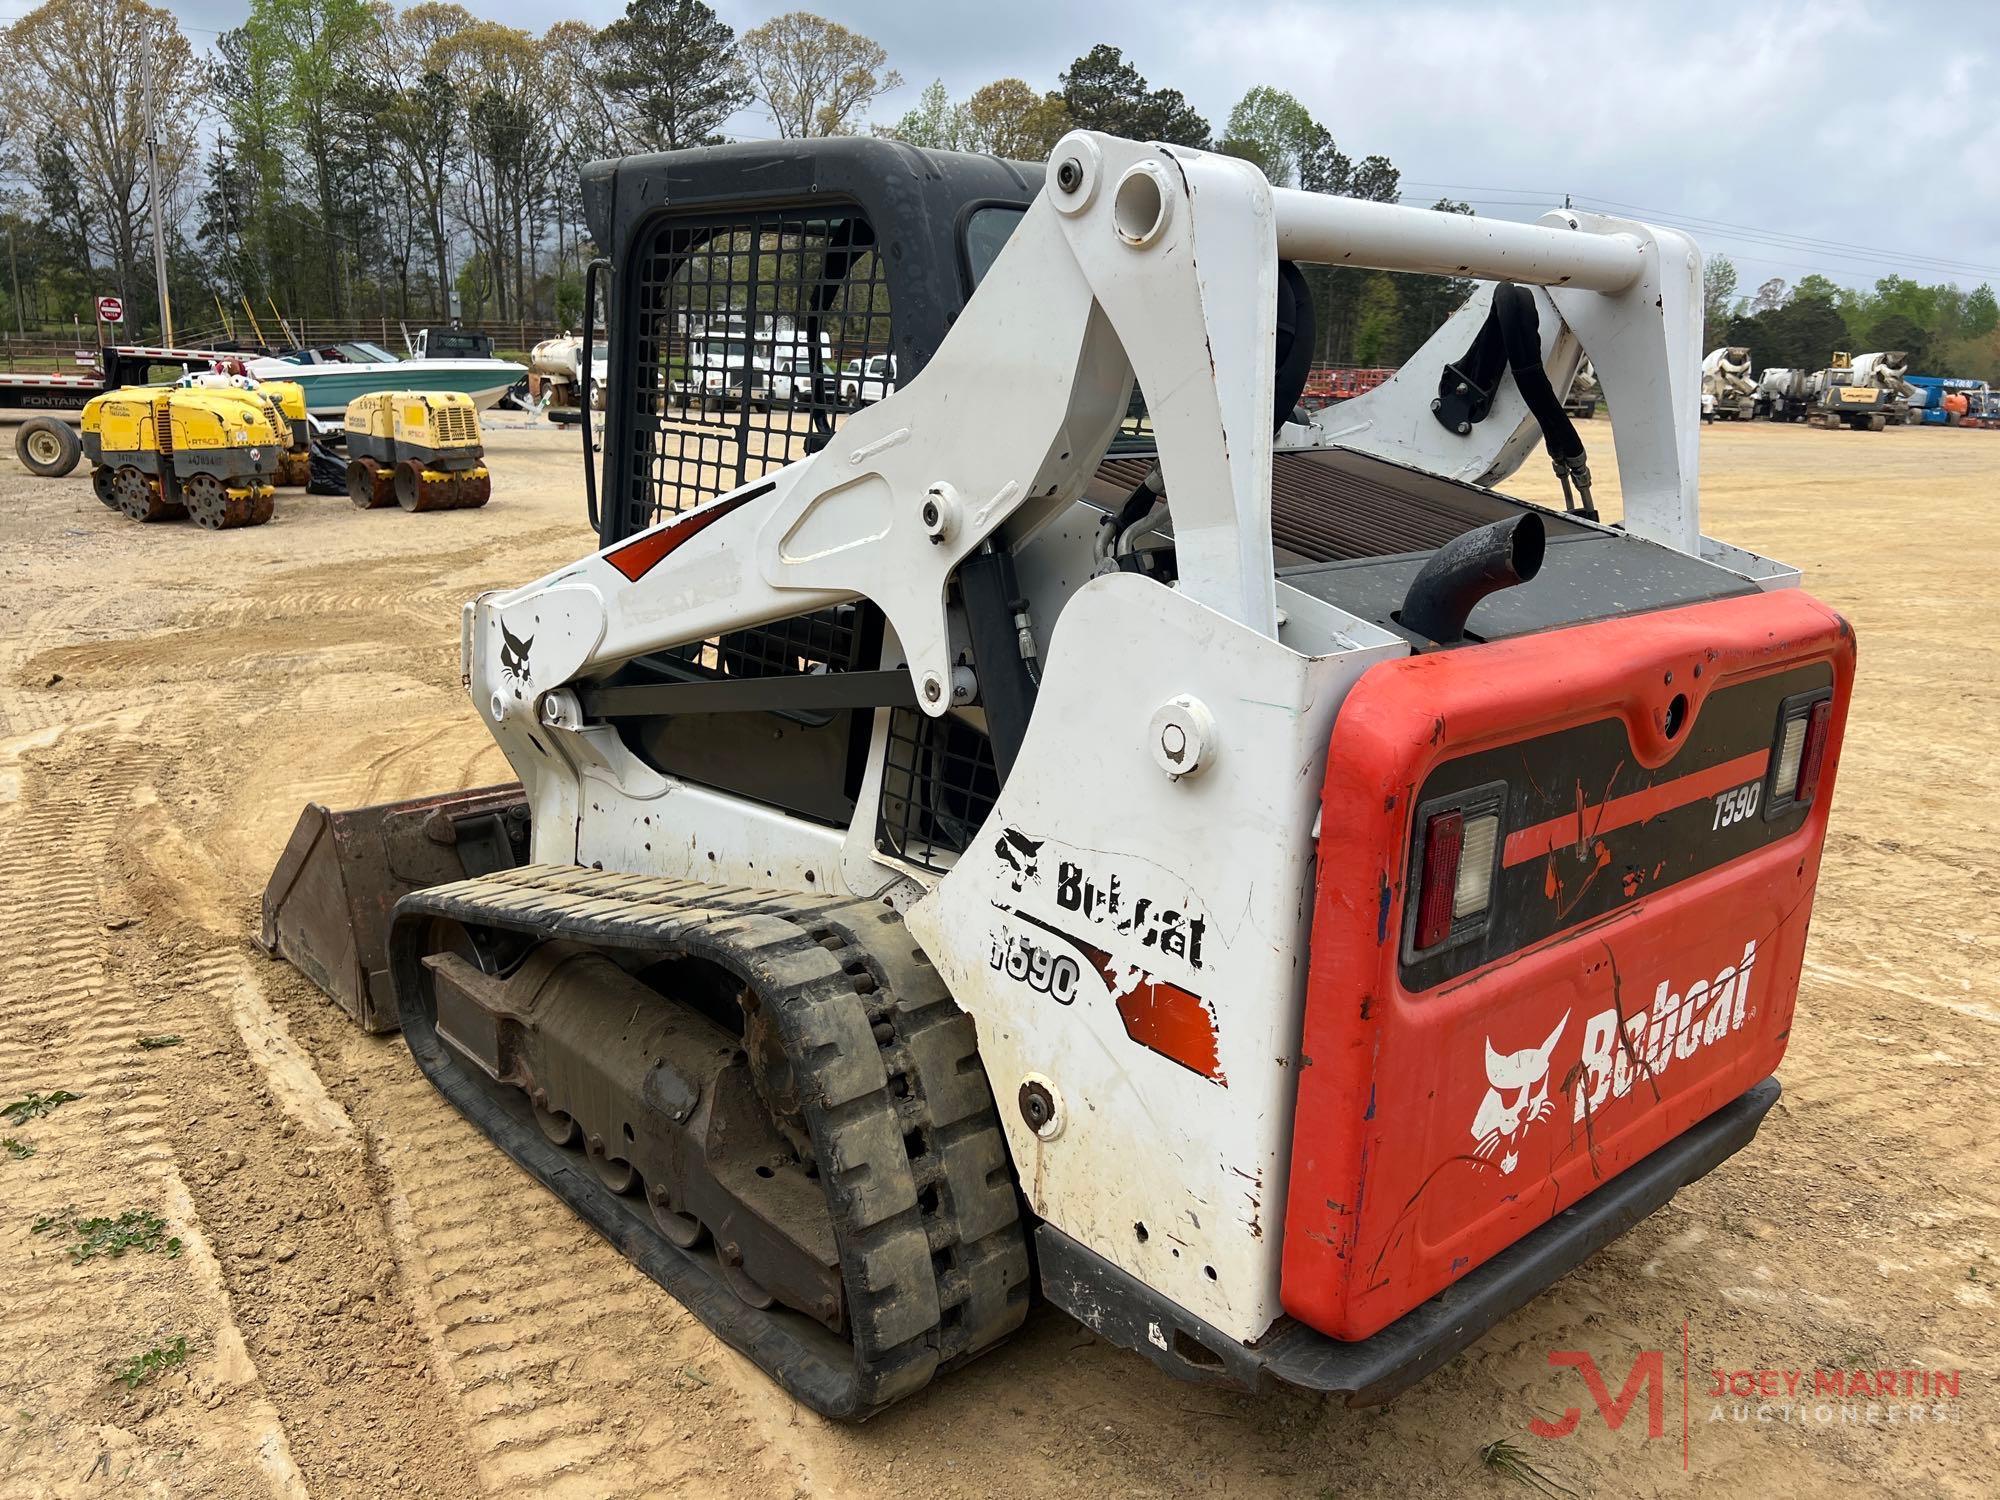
x=110, y=310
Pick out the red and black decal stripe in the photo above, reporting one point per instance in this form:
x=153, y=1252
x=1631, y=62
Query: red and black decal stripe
x=645, y=552
x=1588, y=829
x=1577, y=828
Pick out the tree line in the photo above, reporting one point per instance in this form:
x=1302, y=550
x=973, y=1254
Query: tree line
x=1943, y=330
x=348, y=159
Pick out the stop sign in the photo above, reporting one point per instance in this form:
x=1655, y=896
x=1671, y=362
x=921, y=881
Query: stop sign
x=110, y=310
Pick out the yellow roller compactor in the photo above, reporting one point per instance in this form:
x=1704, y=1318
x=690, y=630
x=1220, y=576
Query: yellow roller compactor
x=285, y=407
x=295, y=463
x=421, y=449
x=206, y=452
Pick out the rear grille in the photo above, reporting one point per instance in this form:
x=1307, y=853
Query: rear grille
x=1333, y=505
x=939, y=783
x=456, y=424
x=163, y=428
x=725, y=311
x=279, y=426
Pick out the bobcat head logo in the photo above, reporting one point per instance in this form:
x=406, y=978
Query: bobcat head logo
x=514, y=655
x=1517, y=1096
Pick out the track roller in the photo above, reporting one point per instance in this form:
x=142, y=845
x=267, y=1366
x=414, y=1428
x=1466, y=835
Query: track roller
x=783, y=1110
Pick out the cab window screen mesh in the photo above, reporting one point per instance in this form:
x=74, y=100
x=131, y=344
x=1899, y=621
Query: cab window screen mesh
x=939, y=782
x=752, y=340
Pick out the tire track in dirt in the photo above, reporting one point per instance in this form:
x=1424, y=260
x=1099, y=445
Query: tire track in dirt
x=72, y=1023
x=576, y=1374
x=541, y=1337
x=279, y=1179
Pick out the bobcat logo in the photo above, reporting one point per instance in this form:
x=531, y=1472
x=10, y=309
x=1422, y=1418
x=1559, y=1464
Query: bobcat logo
x=1522, y=1078
x=514, y=655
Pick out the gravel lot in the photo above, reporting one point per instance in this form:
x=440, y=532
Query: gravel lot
x=375, y=1302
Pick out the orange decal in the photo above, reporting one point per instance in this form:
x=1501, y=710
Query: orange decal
x=638, y=557
x=1173, y=1023
x=1159, y=1016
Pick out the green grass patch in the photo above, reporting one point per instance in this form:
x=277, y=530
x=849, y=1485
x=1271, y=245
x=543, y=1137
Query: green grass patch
x=135, y=1229
x=1504, y=1459
x=19, y=1150
x=155, y=1043
x=140, y=1368
x=35, y=1105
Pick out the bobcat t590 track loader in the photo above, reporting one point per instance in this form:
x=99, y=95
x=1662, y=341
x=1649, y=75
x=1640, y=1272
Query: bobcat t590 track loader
x=1231, y=871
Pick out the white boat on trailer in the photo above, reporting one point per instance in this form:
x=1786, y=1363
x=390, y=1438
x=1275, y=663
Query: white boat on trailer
x=334, y=374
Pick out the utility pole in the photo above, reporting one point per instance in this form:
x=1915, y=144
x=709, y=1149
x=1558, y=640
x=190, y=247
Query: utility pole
x=153, y=191
x=14, y=265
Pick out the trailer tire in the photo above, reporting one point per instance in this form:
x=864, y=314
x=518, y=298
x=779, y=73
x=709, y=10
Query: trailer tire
x=47, y=448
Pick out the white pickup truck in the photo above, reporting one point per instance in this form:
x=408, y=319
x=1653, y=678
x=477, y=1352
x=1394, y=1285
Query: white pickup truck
x=866, y=381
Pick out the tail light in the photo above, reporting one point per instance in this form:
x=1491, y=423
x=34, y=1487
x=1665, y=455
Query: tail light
x=1798, y=751
x=1437, y=902
x=1452, y=867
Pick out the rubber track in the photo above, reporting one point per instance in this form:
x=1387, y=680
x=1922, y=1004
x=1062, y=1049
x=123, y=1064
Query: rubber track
x=933, y=1253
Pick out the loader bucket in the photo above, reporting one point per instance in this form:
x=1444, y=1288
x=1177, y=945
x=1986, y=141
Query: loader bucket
x=328, y=905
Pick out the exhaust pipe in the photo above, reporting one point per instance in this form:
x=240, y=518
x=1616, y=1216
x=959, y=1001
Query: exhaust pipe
x=1468, y=568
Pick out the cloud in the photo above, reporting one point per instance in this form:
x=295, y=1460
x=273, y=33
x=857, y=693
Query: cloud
x=1867, y=131
x=1813, y=124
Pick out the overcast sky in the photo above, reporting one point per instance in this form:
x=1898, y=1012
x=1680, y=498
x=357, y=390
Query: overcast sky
x=1851, y=140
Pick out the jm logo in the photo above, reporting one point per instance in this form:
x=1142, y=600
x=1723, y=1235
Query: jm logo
x=1648, y=1375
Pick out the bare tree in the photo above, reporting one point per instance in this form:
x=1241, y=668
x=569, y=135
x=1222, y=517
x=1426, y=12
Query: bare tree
x=814, y=76
x=70, y=88
x=498, y=71
x=424, y=120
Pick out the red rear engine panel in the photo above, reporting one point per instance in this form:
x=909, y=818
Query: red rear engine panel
x=1661, y=786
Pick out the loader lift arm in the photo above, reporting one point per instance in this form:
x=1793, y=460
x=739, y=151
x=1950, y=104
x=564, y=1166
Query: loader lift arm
x=1138, y=261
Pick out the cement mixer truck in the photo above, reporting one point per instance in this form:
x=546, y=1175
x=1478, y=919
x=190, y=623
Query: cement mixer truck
x=1888, y=370
x=1725, y=376
x=1781, y=395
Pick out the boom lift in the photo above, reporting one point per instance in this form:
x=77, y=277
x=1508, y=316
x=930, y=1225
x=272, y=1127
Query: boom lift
x=1232, y=870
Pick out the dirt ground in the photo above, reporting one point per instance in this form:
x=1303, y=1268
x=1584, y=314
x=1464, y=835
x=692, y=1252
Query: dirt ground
x=374, y=1302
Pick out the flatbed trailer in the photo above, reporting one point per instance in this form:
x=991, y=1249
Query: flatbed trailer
x=64, y=396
